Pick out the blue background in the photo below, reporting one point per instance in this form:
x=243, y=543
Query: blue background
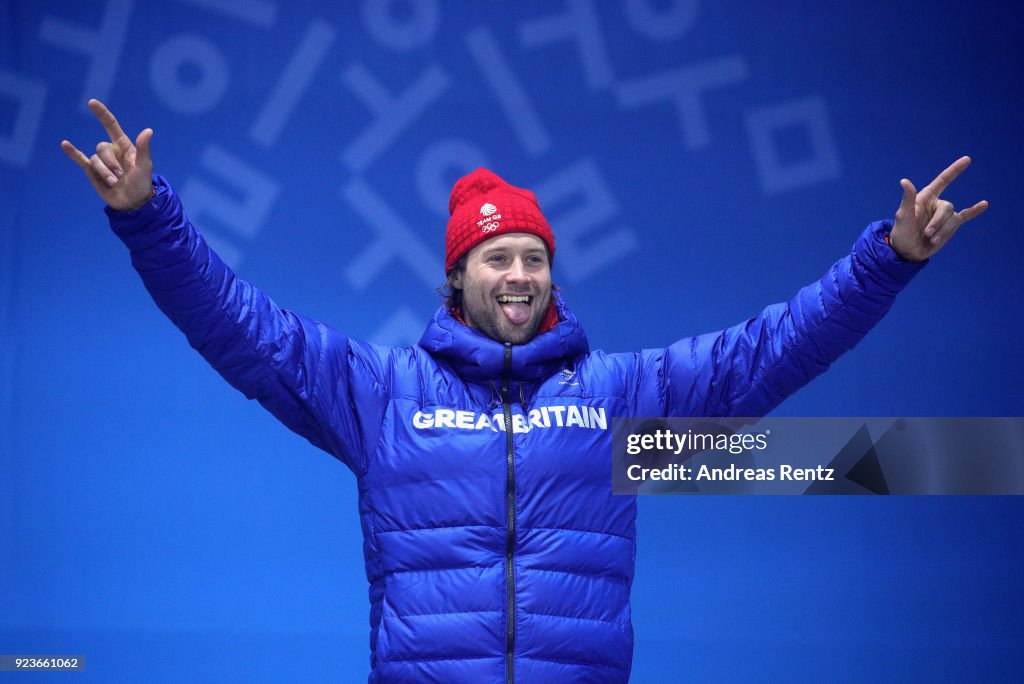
x=156, y=522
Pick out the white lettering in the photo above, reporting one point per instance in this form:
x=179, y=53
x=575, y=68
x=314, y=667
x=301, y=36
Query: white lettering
x=573, y=417
x=557, y=410
x=495, y=217
x=570, y=416
x=484, y=421
x=788, y=472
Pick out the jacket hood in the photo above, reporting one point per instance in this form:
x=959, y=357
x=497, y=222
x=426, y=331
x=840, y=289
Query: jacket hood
x=477, y=357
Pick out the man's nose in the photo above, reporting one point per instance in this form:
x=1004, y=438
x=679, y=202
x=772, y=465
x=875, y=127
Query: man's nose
x=517, y=271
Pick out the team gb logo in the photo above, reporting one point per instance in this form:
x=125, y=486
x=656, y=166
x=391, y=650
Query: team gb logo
x=489, y=222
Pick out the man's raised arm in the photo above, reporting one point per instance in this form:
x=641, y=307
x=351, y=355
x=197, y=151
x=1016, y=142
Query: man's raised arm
x=748, y=369
x=308, y=375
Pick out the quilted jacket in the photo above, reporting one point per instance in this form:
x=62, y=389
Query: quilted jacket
x=494, y=548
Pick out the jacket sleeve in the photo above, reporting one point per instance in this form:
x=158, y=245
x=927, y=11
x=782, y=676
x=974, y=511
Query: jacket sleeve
x=748, y=369
x=310, y=376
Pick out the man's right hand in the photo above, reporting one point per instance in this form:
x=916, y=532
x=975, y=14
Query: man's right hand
x=120, y=171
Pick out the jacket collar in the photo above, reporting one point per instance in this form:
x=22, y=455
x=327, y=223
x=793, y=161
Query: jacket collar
x=476, y=357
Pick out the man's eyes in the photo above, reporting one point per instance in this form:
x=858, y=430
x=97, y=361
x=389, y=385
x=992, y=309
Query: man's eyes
x=533, y=259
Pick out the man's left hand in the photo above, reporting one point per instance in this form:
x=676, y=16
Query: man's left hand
x=924, y=223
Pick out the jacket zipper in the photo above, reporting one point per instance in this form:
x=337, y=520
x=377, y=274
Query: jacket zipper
x=510, y=516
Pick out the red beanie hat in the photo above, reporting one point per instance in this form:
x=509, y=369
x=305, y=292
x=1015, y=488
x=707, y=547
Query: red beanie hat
x=483, y=206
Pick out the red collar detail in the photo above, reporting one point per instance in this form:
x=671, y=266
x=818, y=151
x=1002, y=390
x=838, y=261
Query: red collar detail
x=550, y=318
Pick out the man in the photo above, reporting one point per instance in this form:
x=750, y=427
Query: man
x=494, y=547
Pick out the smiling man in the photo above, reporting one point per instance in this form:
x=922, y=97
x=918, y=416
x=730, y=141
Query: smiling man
x=494, y=548
x=506, y=287
x=498, y=261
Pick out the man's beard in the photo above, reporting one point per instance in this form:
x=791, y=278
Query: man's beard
x=486, y=314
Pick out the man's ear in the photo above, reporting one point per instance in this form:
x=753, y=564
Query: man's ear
x=456, y=279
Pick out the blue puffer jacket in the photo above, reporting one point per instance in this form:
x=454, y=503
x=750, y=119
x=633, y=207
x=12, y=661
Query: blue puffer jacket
x=494, y=555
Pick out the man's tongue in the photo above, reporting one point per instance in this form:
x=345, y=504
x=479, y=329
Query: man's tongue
x=516, y=312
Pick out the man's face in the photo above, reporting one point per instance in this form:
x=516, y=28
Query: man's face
x=506, y=287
